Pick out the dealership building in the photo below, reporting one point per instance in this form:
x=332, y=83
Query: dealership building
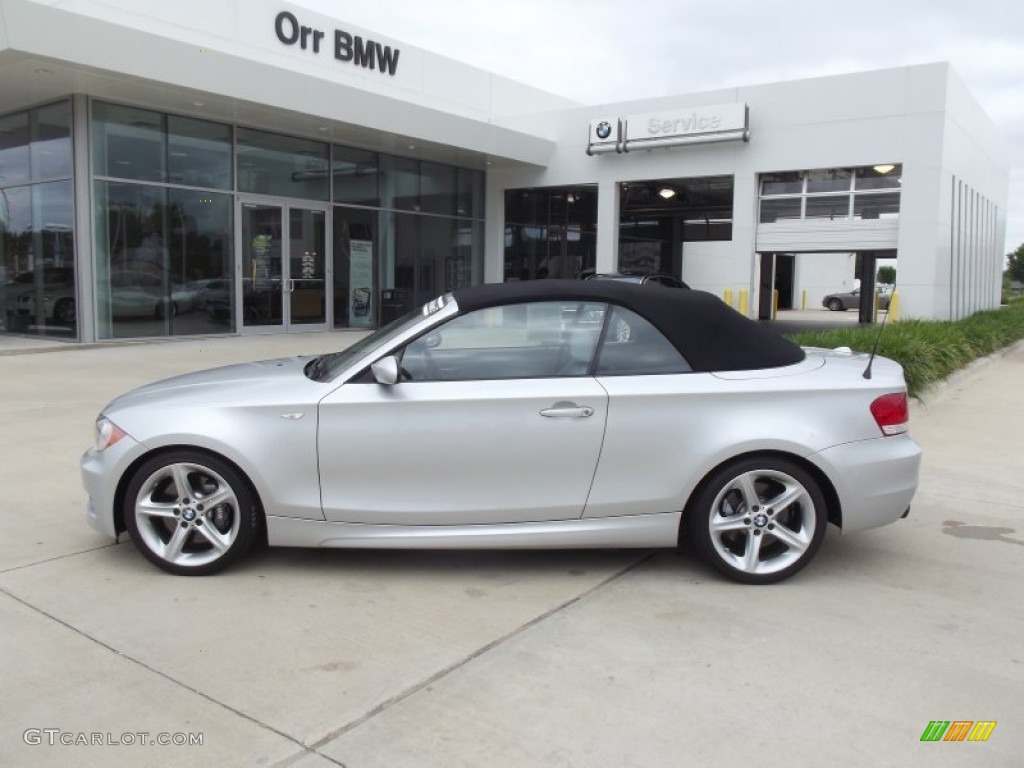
x=194, y=168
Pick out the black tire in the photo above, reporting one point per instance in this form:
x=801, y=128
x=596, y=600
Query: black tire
x=165, y=308
x=836, y=305
x=211, y=527
x=64, y=312
x=735, y=525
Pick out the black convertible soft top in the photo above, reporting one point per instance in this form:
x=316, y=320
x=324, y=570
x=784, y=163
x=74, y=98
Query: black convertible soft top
x=709, y=334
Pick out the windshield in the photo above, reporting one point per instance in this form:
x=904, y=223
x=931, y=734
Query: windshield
x=328, y=366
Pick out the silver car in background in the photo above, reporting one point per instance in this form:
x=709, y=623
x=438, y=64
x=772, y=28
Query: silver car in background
x=523, y=415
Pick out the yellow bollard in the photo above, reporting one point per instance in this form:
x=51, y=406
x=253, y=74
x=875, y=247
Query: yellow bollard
x=775, y=305
x=727, y=296
x=894, y=307
x=803, y=300
x=744, y=302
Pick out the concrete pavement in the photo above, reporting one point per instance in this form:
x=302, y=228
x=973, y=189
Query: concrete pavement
x=624, y=658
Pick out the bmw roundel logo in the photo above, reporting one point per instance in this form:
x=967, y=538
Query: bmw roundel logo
x=604, y=129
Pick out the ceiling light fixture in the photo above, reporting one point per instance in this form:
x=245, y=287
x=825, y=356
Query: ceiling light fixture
x=883, y=169
x=667, y=192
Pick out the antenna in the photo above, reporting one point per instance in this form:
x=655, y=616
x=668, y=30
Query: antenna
x=878, y=338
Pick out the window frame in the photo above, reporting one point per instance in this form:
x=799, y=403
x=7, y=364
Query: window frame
x=562, y=342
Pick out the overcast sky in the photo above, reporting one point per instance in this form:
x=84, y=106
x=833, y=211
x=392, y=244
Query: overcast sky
x=613, y=50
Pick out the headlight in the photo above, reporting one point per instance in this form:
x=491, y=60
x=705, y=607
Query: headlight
x=107, y=433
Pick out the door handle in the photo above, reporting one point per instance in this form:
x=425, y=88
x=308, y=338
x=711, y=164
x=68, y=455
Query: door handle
x=567, y=411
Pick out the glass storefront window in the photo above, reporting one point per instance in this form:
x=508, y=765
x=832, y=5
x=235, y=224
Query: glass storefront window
x=400, y=183
x=355, y=173
x=37, y=260
x=550, y=232
x=437, y=189
x=37, y=236
x=355, y=285
x=14, y=153
x=198, y=153
x=128, y=143
x=51, y=141
x=285, y=166
x=163, y=261
x=200, y=259
x=469, y=194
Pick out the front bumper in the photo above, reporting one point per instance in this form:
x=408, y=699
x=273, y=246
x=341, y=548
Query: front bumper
x=875, y=479
x=101, y=473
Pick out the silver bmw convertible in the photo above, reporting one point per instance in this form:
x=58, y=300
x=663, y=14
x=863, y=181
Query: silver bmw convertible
x=537, y=414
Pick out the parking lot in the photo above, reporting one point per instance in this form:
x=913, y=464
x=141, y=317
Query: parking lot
x=608, y=658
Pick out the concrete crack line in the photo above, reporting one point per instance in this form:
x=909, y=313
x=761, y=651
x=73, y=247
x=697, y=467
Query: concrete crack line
x=164, y=675
x=14, y=568
x=408, y=692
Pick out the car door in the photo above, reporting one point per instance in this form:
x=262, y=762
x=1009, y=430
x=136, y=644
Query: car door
x=495, y=420
x=658, y=420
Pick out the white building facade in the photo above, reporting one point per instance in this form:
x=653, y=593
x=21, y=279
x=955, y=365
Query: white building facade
x=218, y=167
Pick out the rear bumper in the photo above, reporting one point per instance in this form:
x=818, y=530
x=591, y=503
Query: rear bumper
x=875, y=479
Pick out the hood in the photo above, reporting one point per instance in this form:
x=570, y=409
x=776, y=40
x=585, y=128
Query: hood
x=266, y=381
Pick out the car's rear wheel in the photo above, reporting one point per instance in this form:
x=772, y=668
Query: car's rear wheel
x=759, y=520
x=190, y=513
x=836, y=305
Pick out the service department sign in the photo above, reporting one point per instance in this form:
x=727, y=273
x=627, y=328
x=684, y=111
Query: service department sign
x=697, y=125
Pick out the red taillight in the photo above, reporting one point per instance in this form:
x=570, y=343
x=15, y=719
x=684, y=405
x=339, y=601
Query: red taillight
x=891, y=413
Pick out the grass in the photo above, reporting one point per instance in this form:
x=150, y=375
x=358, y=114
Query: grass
x=929, y=350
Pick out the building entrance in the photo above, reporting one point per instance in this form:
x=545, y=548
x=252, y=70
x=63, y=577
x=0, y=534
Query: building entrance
x=284, y=282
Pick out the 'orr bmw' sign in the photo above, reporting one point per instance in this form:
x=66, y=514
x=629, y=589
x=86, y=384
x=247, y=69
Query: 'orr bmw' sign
x=367, y=54
x=697, y=125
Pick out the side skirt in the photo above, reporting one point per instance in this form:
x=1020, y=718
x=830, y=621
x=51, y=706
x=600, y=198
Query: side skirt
x=639, y=531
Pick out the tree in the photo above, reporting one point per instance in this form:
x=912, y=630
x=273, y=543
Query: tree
x=1015, y=264
x=887, y=275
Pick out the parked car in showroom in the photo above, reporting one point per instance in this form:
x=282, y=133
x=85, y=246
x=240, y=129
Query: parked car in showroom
x=54, y=287
x=512, y=416
x=137, y=293
x=840, y=302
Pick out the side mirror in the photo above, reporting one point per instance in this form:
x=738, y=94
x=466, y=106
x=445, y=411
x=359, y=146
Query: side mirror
x=385, y=371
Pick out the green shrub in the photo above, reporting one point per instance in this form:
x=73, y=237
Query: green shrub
x=929, y=350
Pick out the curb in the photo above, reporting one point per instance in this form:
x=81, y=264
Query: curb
x=955, y=382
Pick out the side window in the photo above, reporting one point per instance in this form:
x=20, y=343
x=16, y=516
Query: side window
x=634, y=347
x=517, y=341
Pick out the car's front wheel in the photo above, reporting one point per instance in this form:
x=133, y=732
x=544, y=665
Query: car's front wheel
x=759, y=520
x=64, y=311
x=836, y=305
x=190, y=513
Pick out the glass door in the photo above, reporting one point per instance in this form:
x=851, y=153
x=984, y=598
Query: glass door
x=306, y=281
x=262, y=242
x=284, y=281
